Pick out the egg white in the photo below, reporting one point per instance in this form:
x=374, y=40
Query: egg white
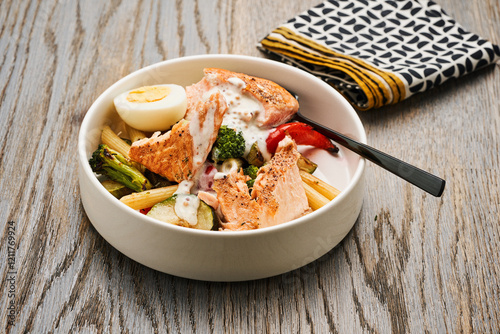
x=153, y=116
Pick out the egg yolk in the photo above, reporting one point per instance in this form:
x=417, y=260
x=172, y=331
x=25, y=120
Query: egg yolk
x=148, y=94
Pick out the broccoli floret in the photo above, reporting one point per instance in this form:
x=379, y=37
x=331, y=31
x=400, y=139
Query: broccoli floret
x=251, y=171
x=229, y=144
x=108, y=162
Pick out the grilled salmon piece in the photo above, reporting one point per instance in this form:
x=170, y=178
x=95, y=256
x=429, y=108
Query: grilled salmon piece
x=278, y=187
x=194, y=94
x=180, y=153
x=277, y=195
x=278, y=104
x=238, y=210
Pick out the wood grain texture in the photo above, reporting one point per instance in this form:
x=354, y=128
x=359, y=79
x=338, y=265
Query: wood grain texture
x=411, y=264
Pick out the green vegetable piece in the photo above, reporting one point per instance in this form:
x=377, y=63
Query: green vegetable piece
x=116, y=188
x=306, y=164
x=229, y=144
x=252, y=172
x=156, y=180
x=255, y=156
x=108, y=162
x=128, y=141
x=165, y=211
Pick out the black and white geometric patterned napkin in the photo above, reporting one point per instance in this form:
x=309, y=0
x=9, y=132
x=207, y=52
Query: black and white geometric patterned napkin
x=379, y=52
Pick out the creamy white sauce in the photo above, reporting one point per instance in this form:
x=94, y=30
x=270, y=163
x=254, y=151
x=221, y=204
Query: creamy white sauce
x=227, y=167
x=201, y=134
x=186, y=205
x=242, y=111
x=184, y=188
x=186, y=208
x=219, y=176
x=237, y=82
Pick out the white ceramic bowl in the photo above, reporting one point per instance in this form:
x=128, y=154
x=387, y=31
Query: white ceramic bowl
x=228, y=256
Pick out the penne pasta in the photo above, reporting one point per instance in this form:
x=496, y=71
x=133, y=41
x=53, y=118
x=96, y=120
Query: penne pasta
x=148, y=198
x=135, y=134
x=315, y=199
x=319, y=185
x=110, y=138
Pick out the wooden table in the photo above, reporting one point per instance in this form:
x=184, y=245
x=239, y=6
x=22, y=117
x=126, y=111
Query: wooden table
x=412, y=263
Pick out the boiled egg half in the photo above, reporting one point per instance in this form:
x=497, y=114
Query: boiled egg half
x=152, y=108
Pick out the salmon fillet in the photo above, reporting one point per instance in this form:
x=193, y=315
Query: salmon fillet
x=277, y=195
x=194, y=94
x=278, y=187
x=180, y=153
x=238, y=210
x=278, y=104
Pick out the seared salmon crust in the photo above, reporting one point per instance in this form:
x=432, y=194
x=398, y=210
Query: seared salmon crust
x=175, y=155
x=277, y=195
x=278, y=104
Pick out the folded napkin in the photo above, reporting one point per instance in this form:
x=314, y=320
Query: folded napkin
x=379, y=52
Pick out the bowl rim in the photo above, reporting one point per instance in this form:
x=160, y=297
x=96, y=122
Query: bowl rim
x=93, y=111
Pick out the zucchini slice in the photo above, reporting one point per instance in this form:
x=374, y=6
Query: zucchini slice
x=165, y=211
x=255, y=156
x=116, y=188
x=306, y=164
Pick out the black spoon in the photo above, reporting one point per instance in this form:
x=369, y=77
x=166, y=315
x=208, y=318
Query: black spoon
x=416, y=176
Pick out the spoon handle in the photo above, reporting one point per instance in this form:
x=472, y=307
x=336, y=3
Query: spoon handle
x=416, y=176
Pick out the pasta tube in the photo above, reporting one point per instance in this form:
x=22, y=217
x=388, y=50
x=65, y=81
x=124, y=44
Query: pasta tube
x=110, y=138
x=148, y=198
x=319, y=185
x=315, y=199
x=135, y=134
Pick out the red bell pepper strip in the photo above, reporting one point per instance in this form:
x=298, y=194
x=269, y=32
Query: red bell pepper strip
x=302, y=134
x=145, y=211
